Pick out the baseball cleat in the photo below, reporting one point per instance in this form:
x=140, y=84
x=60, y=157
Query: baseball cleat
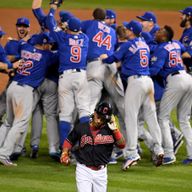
x=56, y=156
x=15, y=156
x=130, y=161
x=178, y=143
x=8, y=163
x=34, y=152
x=168, y=160
x=187, y=161
x=158, y=160
x=119, y=154
x=112, y=161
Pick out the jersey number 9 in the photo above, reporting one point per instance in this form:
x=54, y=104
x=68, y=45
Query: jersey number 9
x=75, y=54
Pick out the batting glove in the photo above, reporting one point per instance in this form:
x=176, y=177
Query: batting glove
x=56, y=2
x=65, y=159
x=112, y=124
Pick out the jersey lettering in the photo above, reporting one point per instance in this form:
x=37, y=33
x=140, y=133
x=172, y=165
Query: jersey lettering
x=106, y=41
x=174, y=59
x=25, y=67
x=75, y=54
x=144, y=61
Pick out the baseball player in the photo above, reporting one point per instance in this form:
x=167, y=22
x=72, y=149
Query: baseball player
x=149, y=22
x=5, y=64
x=110, y=18
x=102, y=40
x=166, y=61
x=150, y=27
x=186, y=38
x=11, y=49
x=46, y=100
x=95, y=140
x=73, y=86
x=20, y=93
x=135, y=60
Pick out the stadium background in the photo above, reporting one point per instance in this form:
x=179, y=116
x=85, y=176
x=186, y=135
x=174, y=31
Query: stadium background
x=45, y=175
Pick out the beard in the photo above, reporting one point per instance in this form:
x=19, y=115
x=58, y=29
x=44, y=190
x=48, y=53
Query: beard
x=183, y=23
x=22, y=33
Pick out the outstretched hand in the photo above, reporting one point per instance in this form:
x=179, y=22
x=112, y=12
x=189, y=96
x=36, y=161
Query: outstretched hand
x=112, y=124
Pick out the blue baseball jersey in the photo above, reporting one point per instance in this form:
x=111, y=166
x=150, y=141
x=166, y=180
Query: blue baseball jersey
x=186, y=40
x=134, y=55
x=3, y=57
x=167, y=59
x=72, y=48
x=102, y=38
x=34, y=67
x=12, y=48
x=159, y=84
x=41, y=17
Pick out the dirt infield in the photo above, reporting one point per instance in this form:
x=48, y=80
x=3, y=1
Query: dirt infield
x=9, y=16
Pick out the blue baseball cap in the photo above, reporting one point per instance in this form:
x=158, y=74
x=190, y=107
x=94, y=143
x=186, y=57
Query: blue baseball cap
x=110, y=14
x=41, y=38
x=187, y=11
x=65, y=16
x=23, y=21
x=125, y=23
x=134, y=26
x=1, y=32
x=147, y=37
x=148, y=16
x=74, y=24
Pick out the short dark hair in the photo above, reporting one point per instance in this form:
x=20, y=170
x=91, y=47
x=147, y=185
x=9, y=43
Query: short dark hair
x=170, y=32
x=99, y=14
x=121, y=32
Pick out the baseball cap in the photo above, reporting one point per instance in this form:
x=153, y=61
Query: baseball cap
x=74, y=24
x=41, y=38
x=187, y=11
x=65, y=16
x=148, y=16
x=134, y=26
x=147, y=37
x=110, y=14
x=1, y=32
x=23, y=21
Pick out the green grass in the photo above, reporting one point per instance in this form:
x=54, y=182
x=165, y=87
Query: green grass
x=45, y=175
x=84, y=4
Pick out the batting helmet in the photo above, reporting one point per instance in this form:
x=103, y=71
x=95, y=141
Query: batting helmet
x=104, y=109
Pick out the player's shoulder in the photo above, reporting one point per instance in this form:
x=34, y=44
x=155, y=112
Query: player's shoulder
x=1, y=49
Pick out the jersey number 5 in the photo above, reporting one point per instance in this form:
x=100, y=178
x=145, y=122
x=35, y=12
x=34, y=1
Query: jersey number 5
x=75, y=54
x=102, y=41
x=144, y=61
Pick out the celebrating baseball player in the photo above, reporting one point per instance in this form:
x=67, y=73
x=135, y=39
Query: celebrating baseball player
x=166, y=61
x=30, y=75
x=96, y=140
x=11, y=49
x=73, y=86
x=135, y=60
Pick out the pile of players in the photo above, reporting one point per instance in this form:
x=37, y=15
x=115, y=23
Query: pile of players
x=66, y=69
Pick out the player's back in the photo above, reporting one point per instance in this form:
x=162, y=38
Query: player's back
x=136, y=57
x=102, y=38
x=72, y=51
x=35, y=63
